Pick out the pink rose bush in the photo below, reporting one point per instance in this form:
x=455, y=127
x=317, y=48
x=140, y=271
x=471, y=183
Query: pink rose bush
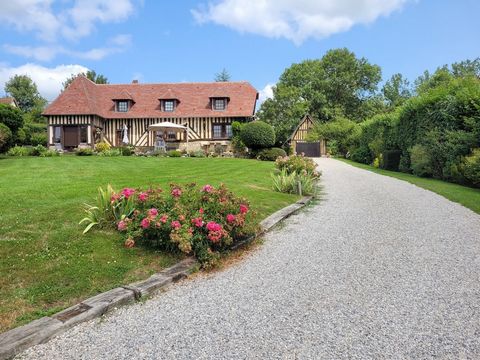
x=202, y=221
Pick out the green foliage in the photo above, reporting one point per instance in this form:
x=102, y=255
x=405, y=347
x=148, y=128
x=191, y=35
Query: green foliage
x=362, y=154
x=297, y=164
x=110, y=152
x=5, y=138
x=38, y=150
x=342, y=131
x=472, y=168
x=237, y=127
x=258, y=135
x=84, y=152
x=107, y=209
x=11, y=117
x=174, y=153
x=91, y=75
x=198, y=154
x=337, y=85
x=38, y=139
x=421, y=161
x=222, y=76
x=126, y=150
x=271, y=154
x=20, y=151
x=396, y=90
x=102, y=146
x=293, y=183
x=25, y=92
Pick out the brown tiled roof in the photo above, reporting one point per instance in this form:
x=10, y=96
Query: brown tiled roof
x=84, y=97
x=7, y=100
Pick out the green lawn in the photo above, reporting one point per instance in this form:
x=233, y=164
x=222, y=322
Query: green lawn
x=464, y=195
x=47, y=264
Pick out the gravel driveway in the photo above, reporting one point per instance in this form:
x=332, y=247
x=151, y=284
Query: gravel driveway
x=378, y=269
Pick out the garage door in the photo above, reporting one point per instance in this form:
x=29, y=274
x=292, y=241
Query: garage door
x=310, y=149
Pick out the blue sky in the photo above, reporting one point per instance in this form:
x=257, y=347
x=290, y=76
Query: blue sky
x=176, y=41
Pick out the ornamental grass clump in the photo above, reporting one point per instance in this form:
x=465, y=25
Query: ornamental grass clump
x=296, y=174
x=201, y=221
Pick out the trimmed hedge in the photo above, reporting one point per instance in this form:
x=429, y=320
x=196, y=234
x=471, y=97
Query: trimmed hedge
x=258, y=135
x=271, y=154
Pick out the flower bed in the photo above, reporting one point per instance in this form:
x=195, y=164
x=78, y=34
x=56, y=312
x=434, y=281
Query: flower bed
x=296, y=174
x=202, y=221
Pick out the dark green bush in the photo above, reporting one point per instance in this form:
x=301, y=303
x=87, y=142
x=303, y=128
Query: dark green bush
x=362, y=154
x=198, y=154
x=11, y=117
x=174, y=153
x=5, y=138
x=421, y=161
x=84, y=152
x=391, y=159
x=126, y=150
x=270, y=154
x=258, y=135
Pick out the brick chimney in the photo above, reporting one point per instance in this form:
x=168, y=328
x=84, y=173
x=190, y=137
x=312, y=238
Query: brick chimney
x=135, y=81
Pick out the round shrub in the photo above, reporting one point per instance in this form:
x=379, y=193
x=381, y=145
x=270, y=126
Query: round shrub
x=362, y=155
x=271, y=154
x=5, y=138
x=11, y=117
x=258, y=135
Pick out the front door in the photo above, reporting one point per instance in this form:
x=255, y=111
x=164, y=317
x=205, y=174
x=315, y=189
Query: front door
x=71, y=136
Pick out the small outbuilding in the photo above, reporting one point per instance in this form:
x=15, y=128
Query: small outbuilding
x=298, y=140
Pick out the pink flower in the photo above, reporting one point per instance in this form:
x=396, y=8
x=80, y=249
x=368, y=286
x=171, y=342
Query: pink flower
x=122, y=225
x=129, y=243
x=207, y=188
x=175, y=224
x=200, y=211
x=152, y=212
x=198, y=222
x=176, y=192
x=143, y=196
x=243, y=209
x=114, y=198
x=213, y=226
x=127, y=192
x=145, y=223
x=181, y=217
x=164, y=218
x=230, y=218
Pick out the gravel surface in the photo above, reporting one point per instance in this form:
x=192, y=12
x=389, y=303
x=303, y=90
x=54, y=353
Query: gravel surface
x=378, y=269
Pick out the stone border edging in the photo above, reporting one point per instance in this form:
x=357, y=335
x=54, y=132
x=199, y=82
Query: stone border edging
x=41, y=330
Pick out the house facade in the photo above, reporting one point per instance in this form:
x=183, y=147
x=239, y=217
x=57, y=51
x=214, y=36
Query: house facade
x=87, y=113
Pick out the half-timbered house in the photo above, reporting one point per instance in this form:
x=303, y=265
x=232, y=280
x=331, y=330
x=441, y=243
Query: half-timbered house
x=86, y=113
x=300, y=143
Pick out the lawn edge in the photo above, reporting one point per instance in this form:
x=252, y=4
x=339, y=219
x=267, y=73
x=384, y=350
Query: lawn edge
x=39, y=331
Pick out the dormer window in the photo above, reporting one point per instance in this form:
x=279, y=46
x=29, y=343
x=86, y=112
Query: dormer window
x=122, y=105
x=168, y=105
x=219, y=104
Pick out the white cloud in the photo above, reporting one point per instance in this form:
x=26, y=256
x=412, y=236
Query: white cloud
x=295, y=20
x=67, y=20
x=265, y=93
x=118, y=43
x=49, y=80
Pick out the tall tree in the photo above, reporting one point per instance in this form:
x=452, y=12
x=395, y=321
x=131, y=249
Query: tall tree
x=25, y=92
x=91, y=75
x=396, y=90
x=337, y=85
x=222, y=76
